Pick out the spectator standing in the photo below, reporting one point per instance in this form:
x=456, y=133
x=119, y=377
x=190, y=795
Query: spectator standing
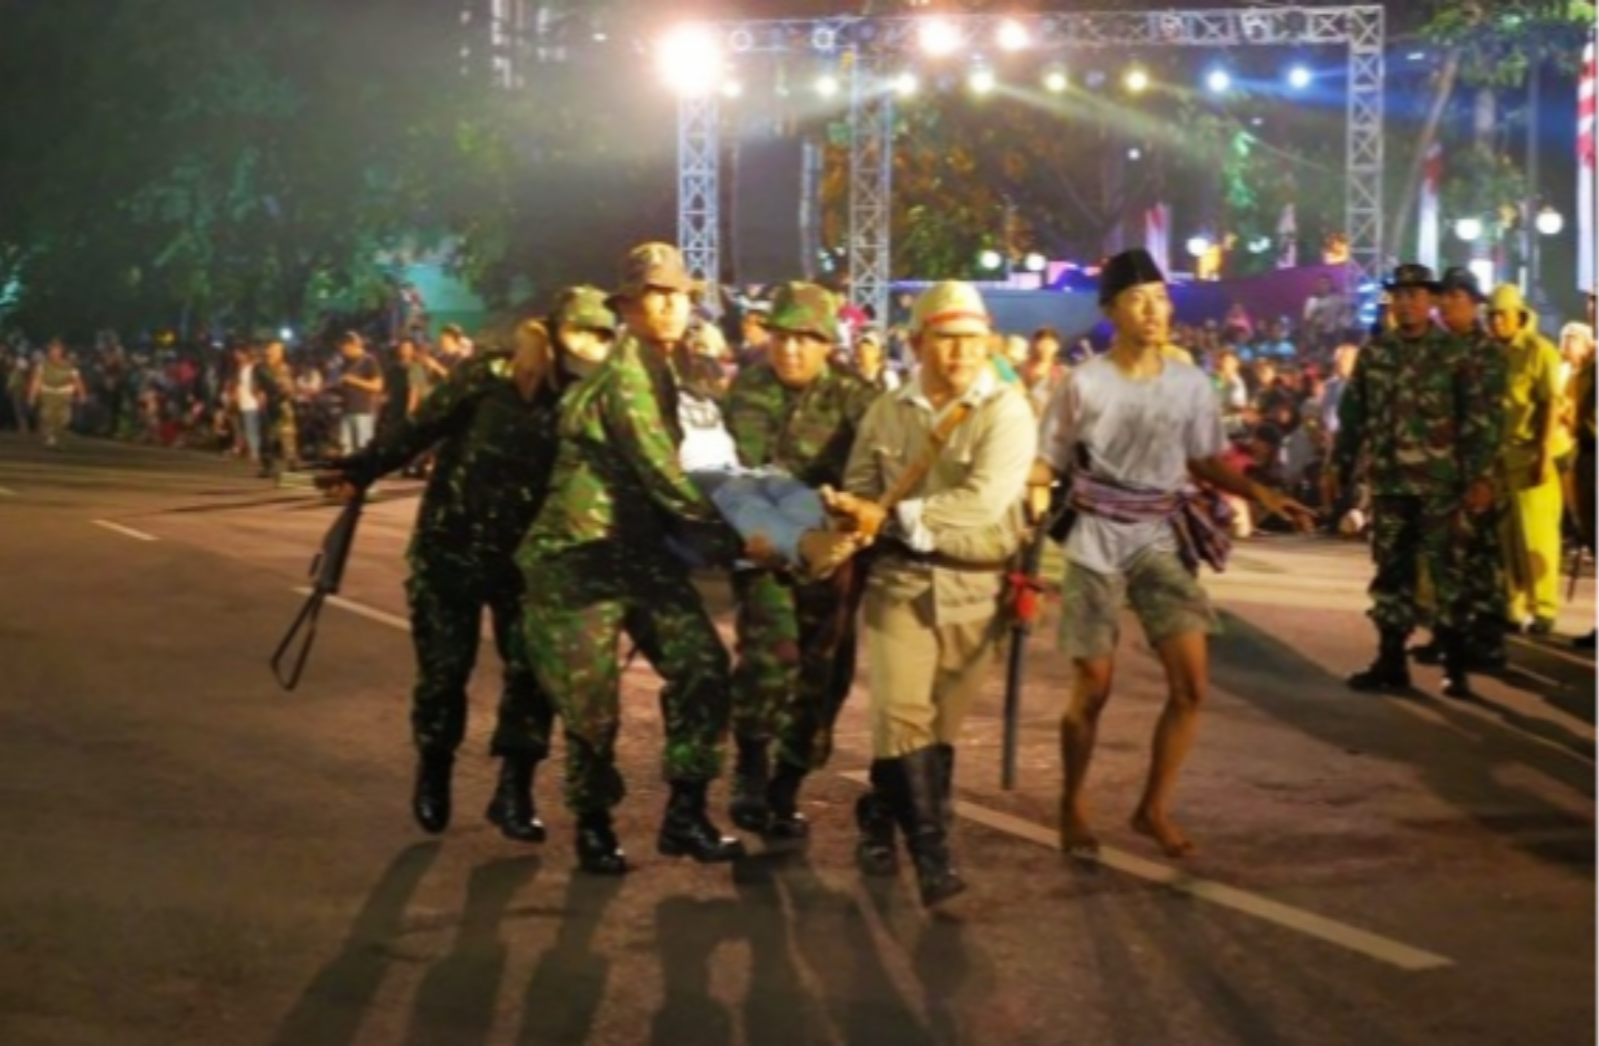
x=56, y=388
x=19, y=380
x=360, y=383
x=245, y=395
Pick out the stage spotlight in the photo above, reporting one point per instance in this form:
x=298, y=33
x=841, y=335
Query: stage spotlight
x=906, y=84
x=989, y=260
x=1219, y=81
x=1549, y=221
x=1468, y=229
x=1299, y=77
x=1135, y=154
x=981, y=79
x=827, y=85
x=1055, y=79
x=1136, y=80
x=732, y=88
x=1034, y=262
x=938, y=38
x=1012, y=36
x=1199, y=245
x=690, y=60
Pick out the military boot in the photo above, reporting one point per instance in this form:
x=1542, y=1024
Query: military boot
x=687, y=831
x=784, y=821
x=920, y=811
x=751, y=776
x=946, y=782
x=874, y=816
x=430, y=801
x=598, y=852
x=1457, y=683
x=512, y=809
x=1388, y=672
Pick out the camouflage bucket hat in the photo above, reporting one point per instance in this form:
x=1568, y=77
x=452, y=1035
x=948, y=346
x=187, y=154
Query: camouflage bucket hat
x=584, y=308
x=805, y=308
x=653, y=265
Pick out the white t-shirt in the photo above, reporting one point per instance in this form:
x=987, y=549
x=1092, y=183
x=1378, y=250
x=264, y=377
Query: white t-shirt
x=1142, y=433
x=707, y=445
x=245, y=391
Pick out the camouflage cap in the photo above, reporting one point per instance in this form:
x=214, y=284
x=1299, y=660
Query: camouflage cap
x=583, y=307
x=653, y=265
x=950, y=307
x=805, y=308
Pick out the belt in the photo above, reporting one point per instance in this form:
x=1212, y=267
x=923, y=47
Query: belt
x=946, y=562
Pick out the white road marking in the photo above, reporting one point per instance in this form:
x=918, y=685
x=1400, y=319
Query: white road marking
x=129, y=531
x=1353, y=938
x=362, y=610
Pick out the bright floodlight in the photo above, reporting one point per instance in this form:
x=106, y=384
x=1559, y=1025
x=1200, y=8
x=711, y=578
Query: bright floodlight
x=1135, y=154
x=1468, y=229
x=1260, y=244
x=827, y=85
x=1299, y=77
x=1219, y=81
x=1550, y=221
x=690, y=60
x=286, y=334
x=732, y=88
x=1012, y=36
x=989, y=260
x=1034, y=262
x=981, y=80
x=938, y=37
x=1199, y=246
x=906, y=84
x=1055, y=80
x=1136, y=80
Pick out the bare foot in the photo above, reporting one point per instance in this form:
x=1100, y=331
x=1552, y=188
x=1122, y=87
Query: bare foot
x=1077, y=839
x=758, y=549
x=1171, y=839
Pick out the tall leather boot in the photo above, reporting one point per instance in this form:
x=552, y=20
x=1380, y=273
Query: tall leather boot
x=430, y=801
x=512, y=809
x=946, y=782
x=920, y=811
x=1388, y=672
x=751, y=776
x=1457, y=683
x=784, y=821
x=598, y=852
x=687, y=831
x=874, y=816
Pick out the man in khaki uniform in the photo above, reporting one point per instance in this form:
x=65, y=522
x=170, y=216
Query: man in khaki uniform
x=934, y=590
x=1531, y=522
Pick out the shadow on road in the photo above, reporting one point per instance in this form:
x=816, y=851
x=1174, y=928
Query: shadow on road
x=1252, y=664
x=335, y=1003
x=565, y=990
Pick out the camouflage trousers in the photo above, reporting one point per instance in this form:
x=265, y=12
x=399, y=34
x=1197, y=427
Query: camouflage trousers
x=796, y=663
x=446, y=622
x=1409, y=533
x=281, y=446
x=579, y=603
x=1481, y=584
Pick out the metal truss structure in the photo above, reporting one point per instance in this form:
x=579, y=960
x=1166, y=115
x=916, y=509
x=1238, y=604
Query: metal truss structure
x=865, y=43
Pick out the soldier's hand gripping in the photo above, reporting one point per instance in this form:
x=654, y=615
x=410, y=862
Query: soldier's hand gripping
x=338, y=479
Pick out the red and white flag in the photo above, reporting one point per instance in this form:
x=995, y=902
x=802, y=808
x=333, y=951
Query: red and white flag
x=1428, y=227
x=1587, y=227
x=1157, y=235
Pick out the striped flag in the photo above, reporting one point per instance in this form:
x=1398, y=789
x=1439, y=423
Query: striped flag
x=1427, y=218
x=1587, y=227
x=1157, y=235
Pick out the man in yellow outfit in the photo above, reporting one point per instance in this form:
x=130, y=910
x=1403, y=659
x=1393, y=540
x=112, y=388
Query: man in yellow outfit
x=1530, y=484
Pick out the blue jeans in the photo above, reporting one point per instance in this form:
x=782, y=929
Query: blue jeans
x=765, y=503
x=250, y=421
x=355, y=432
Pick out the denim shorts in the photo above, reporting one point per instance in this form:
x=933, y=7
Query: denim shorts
x=1167, y=600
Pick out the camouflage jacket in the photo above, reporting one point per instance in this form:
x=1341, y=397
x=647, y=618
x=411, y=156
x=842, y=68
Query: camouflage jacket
x=806, y=432
x=617, y=478
x=495, y=452
x=1424, y=412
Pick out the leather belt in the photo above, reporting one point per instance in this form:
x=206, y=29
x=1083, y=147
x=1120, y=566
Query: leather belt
x=946, y=562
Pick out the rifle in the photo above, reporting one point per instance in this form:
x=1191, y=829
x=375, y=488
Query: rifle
x=1025, y=592
x=327, y=573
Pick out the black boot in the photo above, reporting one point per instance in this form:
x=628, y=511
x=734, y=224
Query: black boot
x=1486, y=652
x=751, y=775
x=1429, y=653
x=946, y=782
x=1457, y=683
x=874, y=816
x=688, y=832
x=920, y=810
x=784, y=821
x=598, y=852
x=430, y=802
x=1389, y=672
x=512, y=808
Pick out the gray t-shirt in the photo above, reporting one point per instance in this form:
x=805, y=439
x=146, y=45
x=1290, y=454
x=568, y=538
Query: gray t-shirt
x=1139, y=432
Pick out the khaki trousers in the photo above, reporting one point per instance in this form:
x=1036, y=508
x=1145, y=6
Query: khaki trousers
x=923, y=675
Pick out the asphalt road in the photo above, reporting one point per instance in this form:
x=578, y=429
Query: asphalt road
x=194, y=856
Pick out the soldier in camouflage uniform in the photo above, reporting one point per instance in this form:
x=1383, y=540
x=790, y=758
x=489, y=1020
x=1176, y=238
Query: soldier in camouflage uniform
x=1419, y=407
x=280, y=438
x=596, y=564
x=492, y=423
x=796, y=640
x=1480, y=580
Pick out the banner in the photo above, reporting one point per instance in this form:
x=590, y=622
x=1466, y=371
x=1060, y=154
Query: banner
x=1587, y=228
x=1157, y=235
x=1428, y=228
